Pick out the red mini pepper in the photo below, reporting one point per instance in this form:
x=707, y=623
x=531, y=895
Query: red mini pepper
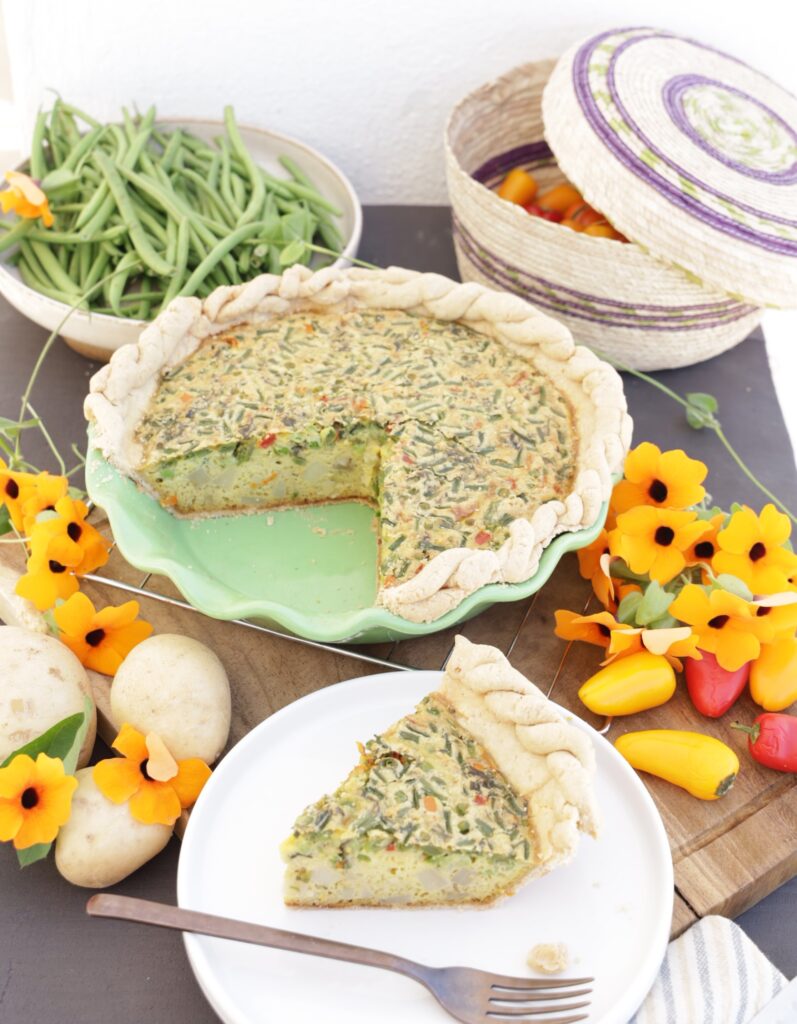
x=714, y=689
x=772, y=740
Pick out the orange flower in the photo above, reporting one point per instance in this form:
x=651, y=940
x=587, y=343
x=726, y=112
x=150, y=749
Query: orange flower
x=751, y=548
x=726, y=625
x=592, y=629
x=35, y=799
x=781, y=613
x=156, y=786
x=705, y=547
x=70, y=539
x=592, y=564
x=662, y=479
x=653, y=540
x=15, y=489
x=46, y=580
x=47, y=490
x=25, y=198
x=673, y=644
x=101, y=640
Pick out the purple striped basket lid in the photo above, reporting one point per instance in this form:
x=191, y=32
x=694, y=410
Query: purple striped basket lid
x=688, y=151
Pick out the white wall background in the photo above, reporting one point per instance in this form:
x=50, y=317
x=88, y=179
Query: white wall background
x=368, y=82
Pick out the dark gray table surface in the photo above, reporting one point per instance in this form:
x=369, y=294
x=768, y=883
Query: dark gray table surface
x=56, y=965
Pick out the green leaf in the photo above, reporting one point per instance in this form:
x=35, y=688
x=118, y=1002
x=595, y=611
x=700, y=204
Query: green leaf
x=32, y=854
x=5, y=521
x=58, y=740
x=700, y=410
x=654, y=604
x=704, y=513
x=11, y=428
x=733, y=585
x=627, y=609
x=665, y=622
x=60, y=183
x=293, y=252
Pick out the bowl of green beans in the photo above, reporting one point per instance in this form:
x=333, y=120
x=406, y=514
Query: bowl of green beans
x=146, y=210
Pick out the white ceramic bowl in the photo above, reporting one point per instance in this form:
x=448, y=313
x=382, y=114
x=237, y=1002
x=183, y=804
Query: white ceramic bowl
x=98, y=335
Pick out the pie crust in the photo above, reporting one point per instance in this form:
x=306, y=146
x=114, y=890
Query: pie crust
x=121, y=392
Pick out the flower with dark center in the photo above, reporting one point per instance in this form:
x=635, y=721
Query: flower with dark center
x=719, y=621
x=95, y=637
x=658, y=491
x=704, y=550
x=12, y=488
x=664, y=536
x=756, y=552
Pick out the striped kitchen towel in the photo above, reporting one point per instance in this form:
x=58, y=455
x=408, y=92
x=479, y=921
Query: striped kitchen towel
x=713, y=974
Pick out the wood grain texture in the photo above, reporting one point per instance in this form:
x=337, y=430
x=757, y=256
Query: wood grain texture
x=727, y=854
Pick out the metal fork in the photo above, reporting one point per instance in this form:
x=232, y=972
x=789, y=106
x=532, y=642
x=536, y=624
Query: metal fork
x=469, y=995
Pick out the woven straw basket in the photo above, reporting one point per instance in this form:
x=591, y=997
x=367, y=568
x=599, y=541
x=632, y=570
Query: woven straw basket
x=614, y=296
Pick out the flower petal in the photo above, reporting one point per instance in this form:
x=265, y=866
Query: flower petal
x=117, y=778
x=156, y=803
x=76, y=616
x=11, y=818
x=191, y=777
x=131, y=743
x=16, y=777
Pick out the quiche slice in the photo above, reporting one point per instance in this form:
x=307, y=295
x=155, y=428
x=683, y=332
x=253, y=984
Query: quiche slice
x=483, y=786
x=467, y=419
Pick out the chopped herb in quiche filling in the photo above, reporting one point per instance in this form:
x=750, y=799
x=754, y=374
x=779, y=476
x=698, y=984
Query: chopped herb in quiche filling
x=426, y=809
x=442, y=429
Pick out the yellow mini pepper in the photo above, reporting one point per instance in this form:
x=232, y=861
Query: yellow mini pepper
x=627, y=685
x=702, y=765
x=773, y=675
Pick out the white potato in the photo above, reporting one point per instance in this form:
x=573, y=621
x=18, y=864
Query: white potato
x=102, y=843
x=176, y=687
x=41, y=682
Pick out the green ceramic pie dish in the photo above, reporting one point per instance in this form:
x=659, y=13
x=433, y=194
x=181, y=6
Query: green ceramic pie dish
x=309, y=571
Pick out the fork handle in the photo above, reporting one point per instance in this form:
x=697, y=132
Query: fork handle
x=164, y=915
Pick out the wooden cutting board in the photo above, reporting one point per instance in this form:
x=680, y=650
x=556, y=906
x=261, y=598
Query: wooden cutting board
x=727, y=854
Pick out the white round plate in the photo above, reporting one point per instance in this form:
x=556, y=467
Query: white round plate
x=612, y=906
x=98, y=335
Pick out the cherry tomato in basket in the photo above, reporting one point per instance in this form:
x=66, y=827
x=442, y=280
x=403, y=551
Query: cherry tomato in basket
x=539, y=211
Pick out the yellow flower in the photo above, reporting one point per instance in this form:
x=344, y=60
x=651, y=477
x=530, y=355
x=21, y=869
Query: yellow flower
x=654, y=540
x=15, y=490
x=46, y=580
x=705, y=547
x=70, y=539
x=156, y=786
x=592, y=629
x=25, y=198
x=751, y=548
x=781, y=613
x=46, y=492
x=101, y=640
x=662, y=479
x=726, y=625
x=35, y=799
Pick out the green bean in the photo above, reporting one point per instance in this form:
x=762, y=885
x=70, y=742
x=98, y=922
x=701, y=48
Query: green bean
x=225, y=183
x=56, y=273
x=169, y=153
x=77, y=112
x=171, y=241
x=238, y=190
x=181, y=262
x=32, y=281
x=19, y=231
x=215, y=200
x=119, y=280
x=86, y=252
x=38, y=162
x=97, y=270
x=215, y=255
x=138, y=236
x=74, y=237
x=258, y=188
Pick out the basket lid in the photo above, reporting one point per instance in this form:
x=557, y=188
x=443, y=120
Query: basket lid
x=688, y=151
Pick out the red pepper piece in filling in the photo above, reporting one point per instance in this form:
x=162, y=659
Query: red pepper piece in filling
x=772, y=740
x=714, y=689
x=267, y=441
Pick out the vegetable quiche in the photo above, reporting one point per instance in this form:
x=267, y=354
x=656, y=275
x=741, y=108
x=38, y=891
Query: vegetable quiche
x=483, y=786
x=469, y=421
